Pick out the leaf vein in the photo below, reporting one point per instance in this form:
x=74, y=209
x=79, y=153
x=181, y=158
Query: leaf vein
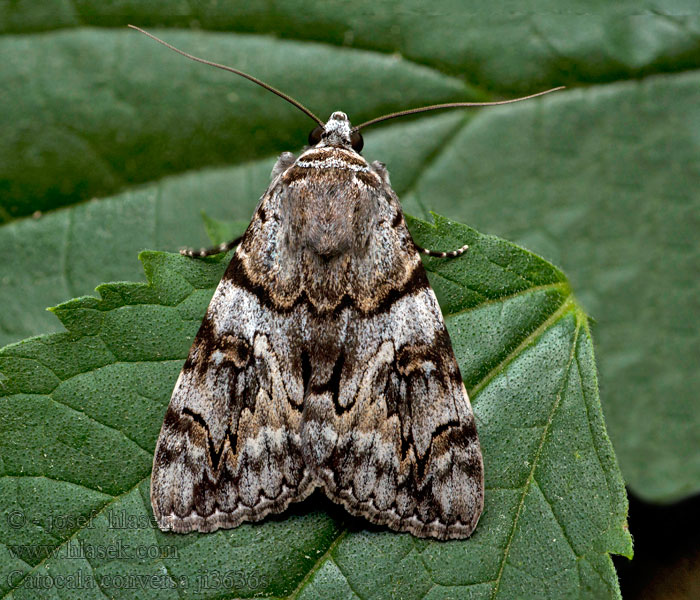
x=147, y=452
x=535, y=462
x=537, y=288
x=556, y=519
x=556, y=315
x=28, y=476
x=73, y=536
x=317, y=565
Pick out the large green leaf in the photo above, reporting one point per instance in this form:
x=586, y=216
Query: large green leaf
x=502, y=48
x=605, y=182
x=84, y=114
x=600, y=179
x=613, y=202
x=82, y=411
x=156, y=113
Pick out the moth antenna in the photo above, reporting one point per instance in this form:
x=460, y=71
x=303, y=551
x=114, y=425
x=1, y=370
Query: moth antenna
x=413, y=111
x=267, y=86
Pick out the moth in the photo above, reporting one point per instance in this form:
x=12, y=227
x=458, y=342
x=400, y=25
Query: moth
x=323, y=361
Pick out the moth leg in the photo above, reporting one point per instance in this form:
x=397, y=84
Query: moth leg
x=451, y=254
x=201, y=253
x=285, y=161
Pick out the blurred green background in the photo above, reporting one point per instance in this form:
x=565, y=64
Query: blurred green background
x=111, y=144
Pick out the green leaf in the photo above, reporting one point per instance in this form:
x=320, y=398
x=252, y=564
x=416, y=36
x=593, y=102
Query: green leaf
x=157, y=113
x=547, y=42
x=605, y=183
x=82, y=411
x=575, y=177
x=600, y=178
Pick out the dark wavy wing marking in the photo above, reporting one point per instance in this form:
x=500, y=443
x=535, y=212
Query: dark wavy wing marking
x=387, y=425
x=229, y=449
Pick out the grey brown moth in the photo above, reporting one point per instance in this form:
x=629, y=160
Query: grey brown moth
x=323, y=361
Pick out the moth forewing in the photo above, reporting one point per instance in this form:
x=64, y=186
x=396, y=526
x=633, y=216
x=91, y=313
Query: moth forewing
x=322, y=362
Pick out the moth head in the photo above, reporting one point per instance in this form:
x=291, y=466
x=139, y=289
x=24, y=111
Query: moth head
x=336, y=132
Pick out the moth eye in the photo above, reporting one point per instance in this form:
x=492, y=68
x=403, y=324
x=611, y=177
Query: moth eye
x=356, y=141
x=315, y=135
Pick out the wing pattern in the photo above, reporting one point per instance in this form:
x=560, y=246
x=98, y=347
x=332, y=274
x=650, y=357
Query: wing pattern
x=322, y=361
